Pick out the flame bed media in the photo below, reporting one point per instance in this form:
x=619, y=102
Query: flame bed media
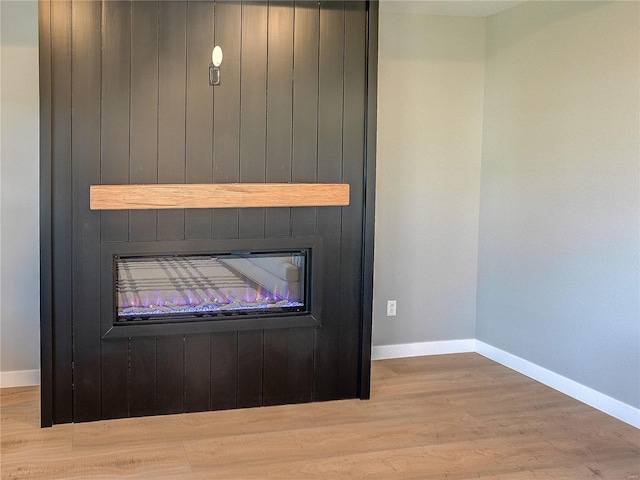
x=188, y=286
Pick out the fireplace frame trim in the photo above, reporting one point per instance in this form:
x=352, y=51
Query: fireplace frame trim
x=310, y=319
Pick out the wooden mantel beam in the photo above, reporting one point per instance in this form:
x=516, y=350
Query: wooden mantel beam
x=217, y=195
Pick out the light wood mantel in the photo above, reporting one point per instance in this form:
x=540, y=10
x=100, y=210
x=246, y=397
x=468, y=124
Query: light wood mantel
x=218, y=195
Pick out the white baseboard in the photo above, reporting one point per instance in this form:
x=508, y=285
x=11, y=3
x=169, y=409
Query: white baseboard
x=593, y=398
x=19, y=378
x=420, y=349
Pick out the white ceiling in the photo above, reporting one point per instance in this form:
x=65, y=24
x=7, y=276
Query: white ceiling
x=458, y=8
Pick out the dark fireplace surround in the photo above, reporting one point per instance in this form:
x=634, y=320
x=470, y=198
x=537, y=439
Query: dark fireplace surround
x=125, y=101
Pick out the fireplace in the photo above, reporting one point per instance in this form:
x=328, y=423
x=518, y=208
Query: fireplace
x=157, y=288
x=159, y=194
x=192, y=287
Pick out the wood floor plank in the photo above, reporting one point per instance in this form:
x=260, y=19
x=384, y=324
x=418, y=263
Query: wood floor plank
x=451, y=416
x=107, y=462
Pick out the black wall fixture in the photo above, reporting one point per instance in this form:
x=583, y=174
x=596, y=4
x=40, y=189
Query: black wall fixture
x=125, y=99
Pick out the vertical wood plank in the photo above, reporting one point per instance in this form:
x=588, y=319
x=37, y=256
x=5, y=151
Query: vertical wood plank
x=305, y=109
x=276, y=378
x=46, y=252
x=61, y=197
x=170, y=374
x=171, y=110
x=300, y=365
x=250, y=363
x=116, y=80
x=226, y=128
x=330, y=123
x=253, y=110
x=142, y=376
x=197, y=380
x=143, y=169
x=364, y=382
x=144, y=112
x=115, y=367
x=114, y=161
x=224, y=370
x=85, y=154
x=353, y=173
x=279, y=109
x=199, y=115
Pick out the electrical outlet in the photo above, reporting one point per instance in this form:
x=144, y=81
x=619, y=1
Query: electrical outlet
x=391, y=308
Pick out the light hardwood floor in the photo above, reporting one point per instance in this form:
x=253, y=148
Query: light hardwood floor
x=440, y=417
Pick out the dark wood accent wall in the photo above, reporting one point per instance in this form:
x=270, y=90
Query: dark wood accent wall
x=125, y=99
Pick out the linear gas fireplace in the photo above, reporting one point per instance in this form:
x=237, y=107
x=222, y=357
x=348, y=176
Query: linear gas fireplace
x=196, y=286
x=192, y=287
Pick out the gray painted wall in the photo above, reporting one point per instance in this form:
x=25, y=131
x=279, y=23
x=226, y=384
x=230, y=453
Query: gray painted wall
x=430, y=87
x=19, y=166
x=558, y=276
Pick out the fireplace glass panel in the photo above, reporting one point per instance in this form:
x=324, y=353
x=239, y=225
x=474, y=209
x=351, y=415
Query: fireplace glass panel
x=190, y=287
